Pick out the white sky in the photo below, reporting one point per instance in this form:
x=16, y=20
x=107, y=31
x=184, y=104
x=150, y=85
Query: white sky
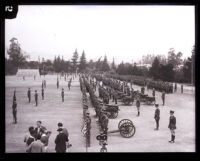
x=123, y=32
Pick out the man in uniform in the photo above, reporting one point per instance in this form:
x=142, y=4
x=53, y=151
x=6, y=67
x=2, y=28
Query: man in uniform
x=57, y=83
x=69, y=84
x=14, y=108
x=29, y=95
x=181, y=88
x=163, y=97
x=138, y=106
x=36, y=97
x=175, y=88
x=157, y=116
x=142, y=90
x=153, y=92
x=62, y=94
x=42, y=93
x=14, y=95
x=172, y=126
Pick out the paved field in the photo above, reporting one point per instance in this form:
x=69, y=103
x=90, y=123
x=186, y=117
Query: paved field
x=51, y=111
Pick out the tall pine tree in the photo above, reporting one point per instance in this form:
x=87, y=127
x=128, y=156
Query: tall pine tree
x=83, y=62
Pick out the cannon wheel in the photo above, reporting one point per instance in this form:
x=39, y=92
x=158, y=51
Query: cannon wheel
x=126, y=128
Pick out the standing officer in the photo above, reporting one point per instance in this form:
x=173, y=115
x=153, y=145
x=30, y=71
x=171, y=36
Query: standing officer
x=154, y=92
x=175, y=88
x=42, y=93
x=138, y=106
x=62, y=94
x=29, y=95
x=157, y=116
x=69, y=84
x=181, y=88
x=172, y=126
x=14, y=96
x=14, y=108
x=163, y=97
x=36, y=97
x=57, y=83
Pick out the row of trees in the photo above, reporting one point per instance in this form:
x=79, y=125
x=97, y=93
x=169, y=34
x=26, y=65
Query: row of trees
x=172, y=68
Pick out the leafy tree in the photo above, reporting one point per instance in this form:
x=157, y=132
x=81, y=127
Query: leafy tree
x=166, y=72
x=174, y=59
x=154, y=70
x=187, y=68
x=16, y=55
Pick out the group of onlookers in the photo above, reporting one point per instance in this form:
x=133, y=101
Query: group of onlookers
x=37, y=140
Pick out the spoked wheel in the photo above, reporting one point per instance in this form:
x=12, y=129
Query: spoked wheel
x=126, y=127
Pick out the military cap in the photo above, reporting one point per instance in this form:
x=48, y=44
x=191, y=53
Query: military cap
x=156, y=105
x=171, y=111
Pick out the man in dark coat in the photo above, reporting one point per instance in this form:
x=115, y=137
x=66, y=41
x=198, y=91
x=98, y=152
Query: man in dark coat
x=163, y=97
x=62, y=94
x=172, y=126
x=57, y=83
x=60, y=141
x=157, y=116
x=42, y=93
x=138, y=106
x=14, y=109
x=153, y=93
x=29, y=95
x=181, y=88
x=36, y=98
x=39, y=130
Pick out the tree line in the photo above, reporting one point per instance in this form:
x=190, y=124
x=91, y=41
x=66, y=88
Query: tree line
x=172, y=68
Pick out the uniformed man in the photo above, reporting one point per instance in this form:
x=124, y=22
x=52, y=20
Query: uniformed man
x=181, y=88
x=163, y=97
x=14, y=109
x=69, y=85
x=62, y=94
x=29, y=95
x=34, y=77
x=172, y=126
x=138, y=106
x=36, y=98
x=157, y=116
x=14, y=95
x=175, y=87
x=57, y=83
x=153, y=92
x=42, y=84
x=45, y=84
x=42, y=93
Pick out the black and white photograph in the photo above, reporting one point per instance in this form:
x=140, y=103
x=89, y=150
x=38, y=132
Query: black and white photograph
x=100, y=78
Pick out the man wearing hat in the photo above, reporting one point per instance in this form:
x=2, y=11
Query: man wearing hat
x=172, y=126
x=157, y=116
x=36, y=97
x=163, y=97
x=138, y=106
x=65, y=131
x=29, y=95
x=62, y=94
x=60, y=141
x=14, y=108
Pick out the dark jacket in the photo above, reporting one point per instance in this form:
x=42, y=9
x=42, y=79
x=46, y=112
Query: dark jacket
x=60, y=142
x=40, y=131
x=157, y=114
x=172, y=123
